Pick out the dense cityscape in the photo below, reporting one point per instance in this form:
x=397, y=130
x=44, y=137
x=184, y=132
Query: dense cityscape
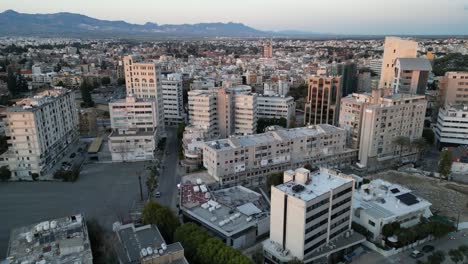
x=234, y=148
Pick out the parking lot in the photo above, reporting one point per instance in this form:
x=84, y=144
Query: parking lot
x=106, y=192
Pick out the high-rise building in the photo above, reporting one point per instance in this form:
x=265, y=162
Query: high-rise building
x=411, y=75
x=348, y=72
x=276, y=107
x=395, y=48
x=375, y=65
x=173, y=99
x=203, y=111
x=40, y=129
x=452, y=125
x=143, y=81
x=250, y=159
x=323, y=100
x=385, y=119
x=310, y=210
x=364, y=82
x=134, y=124
x=454, y=88
x=267, y=50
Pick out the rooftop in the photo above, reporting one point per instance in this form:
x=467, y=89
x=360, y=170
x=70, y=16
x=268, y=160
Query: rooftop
x=320, y=182
x=143, y=242
x=38, y=100
x=418, y=64
x=63, y=240
x=229, y=210
x=382, y=199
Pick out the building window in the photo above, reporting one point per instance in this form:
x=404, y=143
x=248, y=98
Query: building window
x=371, y=223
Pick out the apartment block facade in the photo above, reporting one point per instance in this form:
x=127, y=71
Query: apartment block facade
x=40, y=130
x=351, y=111
x=276, y=107
x=323, y=100
x=308, y=211
x=250, y=159
x=453, y=89
x=173, y=99
x=134, y=124
x=452, y=125
x=411, y=75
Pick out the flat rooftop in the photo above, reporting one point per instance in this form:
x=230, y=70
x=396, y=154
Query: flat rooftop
x=143, y=242
x=228, y=211
x=63, y=240
x=321, y=182
x=382, y=199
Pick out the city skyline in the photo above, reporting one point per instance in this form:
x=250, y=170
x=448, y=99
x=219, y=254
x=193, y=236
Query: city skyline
x=336, y=16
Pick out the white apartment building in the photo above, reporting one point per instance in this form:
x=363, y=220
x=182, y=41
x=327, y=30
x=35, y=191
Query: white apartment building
x=40, y=130
x=387, y=118
x=134, y=124
x=310, y=210
x=143, y=81
x=202, y=84
x=203, y=111
x=379, y=203
x=173, y=99
x=250, y=159
x=281, y=87
x=452, y=125
x=276, y=107
x=395, y=48
x=411, y=75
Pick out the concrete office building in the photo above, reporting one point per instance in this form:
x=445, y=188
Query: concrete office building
x=203, y=111
x=323, y=100
x=276, y=107
x=395, y=48
x=452, y=125
x=280, y=87
x=202, y=84
x=453, y=88
x=379, y=203
x=310, y=216
x=250, y=159
x=60, y=241
x=134, y=124
x=143, y=81
x=411, y=75
x=375, y=65
x=387, y=118
x=173, y=99
x=40, y=130
x=145, y=245
x=351, y=111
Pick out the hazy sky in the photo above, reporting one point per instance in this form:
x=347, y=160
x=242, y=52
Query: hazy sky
x=332, y=16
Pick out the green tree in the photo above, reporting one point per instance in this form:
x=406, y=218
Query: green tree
x=85, y=89
x=420, y=144
x=428, y=134
x=163, y=217
x=464, y=250
x=152, y=180
x=390, y=229
x=5, y=173
x=456, y=255
x=35, y=176
x=274, y=179
x=121, y=81
x=11, y=82
x=445, y=163
x=298, y=92
x=437, y=257
x=401, y=142
x=262, y=123
x=101, y=243
x=105, y=80
x=295, y=261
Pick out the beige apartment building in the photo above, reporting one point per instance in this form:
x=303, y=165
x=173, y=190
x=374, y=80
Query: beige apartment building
x=454, y=89
x=310, y=210
x=203, y=110
x=351, y=111
x=387, y=118
x=267, y=50
x=395, y=48
x=134, y=124
x=323, y=100
x=143, y=80
x=411, y=75
x=248, y=160
x=40, y=130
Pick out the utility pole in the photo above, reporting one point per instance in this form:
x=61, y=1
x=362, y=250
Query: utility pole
x=141, y=189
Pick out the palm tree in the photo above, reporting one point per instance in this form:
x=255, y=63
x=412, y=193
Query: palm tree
x=401, y=142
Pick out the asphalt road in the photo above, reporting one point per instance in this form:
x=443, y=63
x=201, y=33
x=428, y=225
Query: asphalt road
x=106, y=192
x=445, y=244
x=168, y=178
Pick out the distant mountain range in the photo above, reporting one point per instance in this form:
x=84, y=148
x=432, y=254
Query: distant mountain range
x=69, y=24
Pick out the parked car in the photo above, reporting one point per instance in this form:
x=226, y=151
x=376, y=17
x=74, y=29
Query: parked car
x=157, y=195
x=427, y=248
x=72, y=155
x=416, y=254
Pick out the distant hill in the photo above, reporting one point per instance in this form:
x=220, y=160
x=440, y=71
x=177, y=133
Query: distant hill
x=69, y=24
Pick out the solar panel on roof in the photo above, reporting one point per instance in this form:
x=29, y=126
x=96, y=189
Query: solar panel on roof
x=395, y=190
x=408, y=199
